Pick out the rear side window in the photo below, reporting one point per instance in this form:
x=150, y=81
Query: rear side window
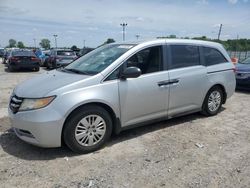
x=184, y=56
x=213, y=56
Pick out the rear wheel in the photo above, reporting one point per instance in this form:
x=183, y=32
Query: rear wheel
x=87, y=129
x=37, y=69
x=11, y=69
x=213, y=101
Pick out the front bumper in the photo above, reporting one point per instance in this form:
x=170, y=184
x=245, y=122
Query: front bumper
x=42, y=127
x=25, y=65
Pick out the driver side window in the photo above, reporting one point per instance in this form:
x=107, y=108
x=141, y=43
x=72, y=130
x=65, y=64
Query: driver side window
x=149, y=60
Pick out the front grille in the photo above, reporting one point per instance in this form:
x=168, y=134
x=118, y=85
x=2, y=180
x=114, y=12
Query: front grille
x=15, y=103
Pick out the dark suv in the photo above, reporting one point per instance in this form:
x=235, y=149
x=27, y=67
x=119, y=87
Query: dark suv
x=60, y=58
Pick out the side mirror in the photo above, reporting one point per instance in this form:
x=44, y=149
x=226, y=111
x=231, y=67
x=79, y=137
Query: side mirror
x=131, y=72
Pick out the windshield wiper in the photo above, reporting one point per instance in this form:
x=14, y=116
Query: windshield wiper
x=76, y=71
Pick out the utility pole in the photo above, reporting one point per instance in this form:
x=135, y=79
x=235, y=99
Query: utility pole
x=123, y=30
x=34, y=42
x=219, y=32
x=55, y=40
x=137, y=36
x=84, y=43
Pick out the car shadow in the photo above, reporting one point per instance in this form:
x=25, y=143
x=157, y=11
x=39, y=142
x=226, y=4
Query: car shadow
x=12, y=145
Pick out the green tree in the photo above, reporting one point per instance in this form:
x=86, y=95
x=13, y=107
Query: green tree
x=172, y=36
x=12, y=43
x=20, y=44
x=45, y=43
x=109, y=40
x=74, y=48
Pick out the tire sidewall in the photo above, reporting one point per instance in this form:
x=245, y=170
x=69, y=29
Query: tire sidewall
x=205, y=106
x=71, y=123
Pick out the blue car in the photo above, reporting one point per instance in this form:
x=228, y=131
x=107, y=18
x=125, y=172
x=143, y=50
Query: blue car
x=243, y=74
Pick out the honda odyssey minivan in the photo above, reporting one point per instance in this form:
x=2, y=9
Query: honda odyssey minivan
x=119, y=86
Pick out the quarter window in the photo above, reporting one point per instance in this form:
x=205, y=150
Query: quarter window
x=184, y=56
x=213, y=56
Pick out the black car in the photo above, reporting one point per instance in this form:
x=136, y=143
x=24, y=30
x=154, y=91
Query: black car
x=23, y=59
x=59, y=58
x=243, y=74
x=1, y=52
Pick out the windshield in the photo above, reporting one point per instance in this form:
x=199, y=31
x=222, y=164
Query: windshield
x=246, y=61
x=66, y=53
x=99, y=59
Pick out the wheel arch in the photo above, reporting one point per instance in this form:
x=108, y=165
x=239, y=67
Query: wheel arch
x=115, y=120
x=223, y=91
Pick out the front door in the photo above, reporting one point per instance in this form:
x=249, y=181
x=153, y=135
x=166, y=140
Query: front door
x=146, y=97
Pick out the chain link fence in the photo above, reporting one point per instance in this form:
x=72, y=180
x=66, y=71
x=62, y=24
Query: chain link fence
x=241, y=55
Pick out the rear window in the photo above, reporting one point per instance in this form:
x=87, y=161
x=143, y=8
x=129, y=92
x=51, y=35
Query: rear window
x=213, y=56
x=184, y=56
x=66, y=53
x=23, y=53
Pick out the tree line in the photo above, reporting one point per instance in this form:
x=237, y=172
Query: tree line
x=45, y=43
x=230, y=44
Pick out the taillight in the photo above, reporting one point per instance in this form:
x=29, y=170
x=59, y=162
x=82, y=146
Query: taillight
x=14, y=59
x=34, y=59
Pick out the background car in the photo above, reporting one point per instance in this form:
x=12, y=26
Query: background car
x=1, y=52
x=46, y=57
x=60, y=57
x=39, y=53
x=243, y=74
x=6, y=56
x=23, y=59
x=84, y=51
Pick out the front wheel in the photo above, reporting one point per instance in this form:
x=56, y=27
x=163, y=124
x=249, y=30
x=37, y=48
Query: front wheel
x=213, y=101
x=87, y=129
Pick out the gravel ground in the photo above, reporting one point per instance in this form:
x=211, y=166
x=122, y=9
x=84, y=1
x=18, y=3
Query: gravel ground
x=191, y=151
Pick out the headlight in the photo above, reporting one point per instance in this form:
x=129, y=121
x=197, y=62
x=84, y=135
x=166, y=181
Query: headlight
x=32, y=104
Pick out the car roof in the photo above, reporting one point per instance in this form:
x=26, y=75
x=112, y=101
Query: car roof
x=173, y=41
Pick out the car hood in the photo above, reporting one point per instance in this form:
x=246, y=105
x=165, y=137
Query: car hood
x=243, y=67
x=42, y=84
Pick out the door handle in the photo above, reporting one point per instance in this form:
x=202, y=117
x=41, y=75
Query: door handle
x=163, y=83
x=174, y=81
x=168, y=82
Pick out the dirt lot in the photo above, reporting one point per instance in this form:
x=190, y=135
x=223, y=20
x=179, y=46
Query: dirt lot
x=159, y=155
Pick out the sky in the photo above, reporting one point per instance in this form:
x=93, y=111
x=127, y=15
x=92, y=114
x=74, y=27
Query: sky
x=93, y=21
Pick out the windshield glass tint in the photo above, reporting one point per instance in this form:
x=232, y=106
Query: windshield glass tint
x=66, y=53
x=246, y=61
x=99, y=59
x=23, y=53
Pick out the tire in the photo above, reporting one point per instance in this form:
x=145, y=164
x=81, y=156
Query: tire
x=213, y=101
x=11, y=69
x=37, y=69
x=72, y=127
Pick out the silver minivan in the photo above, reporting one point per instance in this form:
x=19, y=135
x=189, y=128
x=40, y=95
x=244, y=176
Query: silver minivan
x=119, y=86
